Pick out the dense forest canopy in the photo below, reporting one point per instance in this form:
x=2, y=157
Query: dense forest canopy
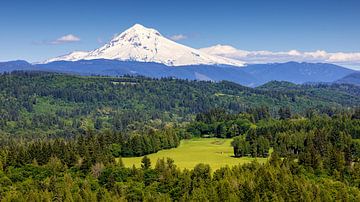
x=314, y=158
x=62, y=137
x=43, y=104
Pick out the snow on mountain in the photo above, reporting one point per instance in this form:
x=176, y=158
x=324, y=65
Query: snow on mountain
x=70, y=57
x=142, y=44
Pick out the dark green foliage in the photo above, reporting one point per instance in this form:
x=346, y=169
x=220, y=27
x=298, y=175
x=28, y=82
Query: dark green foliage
x=60, y=135
x=56, y=105
x=217, y=123
x=86, y=151
x=318, y=143
x=115, y=149
x=263, y=146
x=145, y=163
x=284, y=113
x=241, y=146
x=356, y=114
x=276, y=180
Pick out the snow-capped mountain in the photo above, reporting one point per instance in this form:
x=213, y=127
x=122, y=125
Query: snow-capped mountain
x=74, y=56
x=142, y=44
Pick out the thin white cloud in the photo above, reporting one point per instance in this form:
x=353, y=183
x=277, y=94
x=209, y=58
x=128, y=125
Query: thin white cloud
x=351, y=59
x=178, y=37
x=100, y=40
x=69, y=38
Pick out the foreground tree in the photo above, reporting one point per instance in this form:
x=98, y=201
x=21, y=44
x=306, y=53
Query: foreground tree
x=145, y=163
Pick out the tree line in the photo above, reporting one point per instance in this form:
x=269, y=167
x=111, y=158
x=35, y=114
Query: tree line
x=85, y=151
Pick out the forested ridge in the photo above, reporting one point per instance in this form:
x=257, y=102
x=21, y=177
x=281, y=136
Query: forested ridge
x=62, y=138
x=43, y=104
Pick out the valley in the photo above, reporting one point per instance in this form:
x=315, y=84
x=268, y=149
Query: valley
x=137, y=138
x=160, y=101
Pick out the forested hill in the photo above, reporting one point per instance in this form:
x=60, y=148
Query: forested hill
x=59, y=104
x=64, y=137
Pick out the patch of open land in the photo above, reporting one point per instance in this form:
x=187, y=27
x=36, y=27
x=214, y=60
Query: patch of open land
x=213, y=151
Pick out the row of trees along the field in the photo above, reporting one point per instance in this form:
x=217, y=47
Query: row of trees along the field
x=320, y=141
x=87, y=150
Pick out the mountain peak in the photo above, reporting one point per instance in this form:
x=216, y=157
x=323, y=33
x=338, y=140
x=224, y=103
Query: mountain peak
x=138, y=28
x=136, y=35
x=142, y=44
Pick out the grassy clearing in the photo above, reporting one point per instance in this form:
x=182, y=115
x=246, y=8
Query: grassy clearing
x=50, y=105
x=213, y=151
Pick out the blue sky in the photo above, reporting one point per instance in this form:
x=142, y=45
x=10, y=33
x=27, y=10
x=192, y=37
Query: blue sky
x=32, y=30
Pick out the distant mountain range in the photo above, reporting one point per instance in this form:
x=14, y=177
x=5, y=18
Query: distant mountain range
x=297, y=72
x=15, y=65
x=251, y=75
x=353, y=78
x=144, y=51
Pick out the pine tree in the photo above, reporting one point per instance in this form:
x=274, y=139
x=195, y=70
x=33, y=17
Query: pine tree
x=145, y=163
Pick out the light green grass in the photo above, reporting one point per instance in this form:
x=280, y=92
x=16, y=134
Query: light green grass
x=356, y=140
x=215, y=152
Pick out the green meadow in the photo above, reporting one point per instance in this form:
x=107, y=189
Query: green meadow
x=213, y=151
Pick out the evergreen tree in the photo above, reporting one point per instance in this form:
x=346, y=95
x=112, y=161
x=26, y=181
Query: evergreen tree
x=145, y=162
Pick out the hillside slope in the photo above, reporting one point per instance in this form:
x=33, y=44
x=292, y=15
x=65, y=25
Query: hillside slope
x=57, y=104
